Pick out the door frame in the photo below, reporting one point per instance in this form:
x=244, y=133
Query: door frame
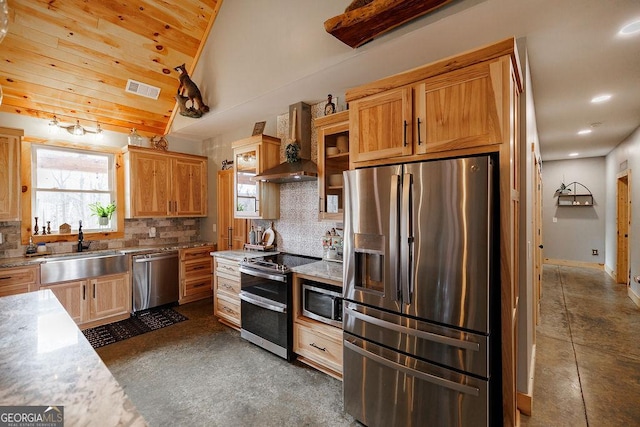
x=537, y=239
x=623, y=227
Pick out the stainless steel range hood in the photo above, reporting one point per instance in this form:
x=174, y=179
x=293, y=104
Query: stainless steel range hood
x=304, y=169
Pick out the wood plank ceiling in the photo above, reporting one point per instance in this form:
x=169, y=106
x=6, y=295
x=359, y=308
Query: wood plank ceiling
x=72, y=59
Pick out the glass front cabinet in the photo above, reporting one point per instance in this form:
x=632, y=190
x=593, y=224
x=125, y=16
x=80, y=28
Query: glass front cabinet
x=252, y=198
x=333, y=159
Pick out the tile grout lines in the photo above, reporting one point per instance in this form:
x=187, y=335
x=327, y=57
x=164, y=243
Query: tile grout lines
x=573, y=347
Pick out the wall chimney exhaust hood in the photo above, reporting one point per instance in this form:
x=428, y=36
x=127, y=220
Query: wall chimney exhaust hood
x=304, y=169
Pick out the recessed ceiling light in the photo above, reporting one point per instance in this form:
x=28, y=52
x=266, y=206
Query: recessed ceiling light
x=584, y=132
x=573, y=154
x=631, y=28
x=600, y=98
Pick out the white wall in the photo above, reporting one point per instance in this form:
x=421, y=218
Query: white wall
x=529, y=149
x=578, y=230
x=628, y=151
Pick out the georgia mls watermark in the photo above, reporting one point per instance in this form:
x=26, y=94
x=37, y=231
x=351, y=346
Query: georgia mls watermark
x=31, y=416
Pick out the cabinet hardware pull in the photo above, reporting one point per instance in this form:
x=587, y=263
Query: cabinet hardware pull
x=169, y=205
x=405, y=132
x=320, y=205
x=318, y=347
x=84, y=292
x=5, y=278
x=419, y=140
x=199, y=285
x=94, y=291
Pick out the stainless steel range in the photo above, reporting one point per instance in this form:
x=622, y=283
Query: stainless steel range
x=265, y=301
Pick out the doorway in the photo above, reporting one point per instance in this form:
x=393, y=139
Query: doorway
x=623, y=224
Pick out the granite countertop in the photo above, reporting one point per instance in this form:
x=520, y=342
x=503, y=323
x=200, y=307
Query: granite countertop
x=239, y=255
x=35, y=260
x=46, y=360
x=322, y=269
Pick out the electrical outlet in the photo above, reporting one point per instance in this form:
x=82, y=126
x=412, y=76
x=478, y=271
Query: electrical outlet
x=555, y=219
x=214, y=228
x=1, y=239
x=152, y=232
x=594, y=252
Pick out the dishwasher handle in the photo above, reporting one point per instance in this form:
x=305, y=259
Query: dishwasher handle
x=154, y=257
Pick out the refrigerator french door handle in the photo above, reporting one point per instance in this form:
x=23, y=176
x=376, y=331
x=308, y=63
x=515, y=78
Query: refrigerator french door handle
x=453, y=342
x=406, y=238
x=394, y=239
x=416, y=374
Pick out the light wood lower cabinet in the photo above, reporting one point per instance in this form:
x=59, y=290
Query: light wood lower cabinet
x=317, y=344
x=96, y=301
x=226, y=290
x=18, y=280
x=196, y=268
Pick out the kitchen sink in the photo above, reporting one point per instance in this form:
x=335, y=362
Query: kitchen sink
x=62, y=268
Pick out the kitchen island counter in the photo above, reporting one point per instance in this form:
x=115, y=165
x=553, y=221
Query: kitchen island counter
x=47, y=361
x=322, y=269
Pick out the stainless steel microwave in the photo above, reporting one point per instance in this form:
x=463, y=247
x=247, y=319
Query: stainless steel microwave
x=322, y=302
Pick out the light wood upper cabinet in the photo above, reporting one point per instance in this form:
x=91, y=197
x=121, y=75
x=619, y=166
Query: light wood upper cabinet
x=10, y=174
x=458, y=110
x=333, y=159
x=381, y=125
x=164, y=184
x=232, y=232
x=190, y=186
x=255, y=199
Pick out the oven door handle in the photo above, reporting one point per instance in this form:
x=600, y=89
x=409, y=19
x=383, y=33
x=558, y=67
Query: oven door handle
x=263, y=302
x=276, y=277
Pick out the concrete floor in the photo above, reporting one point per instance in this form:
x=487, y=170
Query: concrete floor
x=200, y=372
x=587, y=369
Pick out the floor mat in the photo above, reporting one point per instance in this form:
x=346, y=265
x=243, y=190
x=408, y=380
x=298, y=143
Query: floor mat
x=138, y=324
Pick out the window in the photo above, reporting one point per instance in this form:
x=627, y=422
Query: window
x=66, y=181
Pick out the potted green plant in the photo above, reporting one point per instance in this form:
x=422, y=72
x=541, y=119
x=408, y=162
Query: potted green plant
x=103, y=213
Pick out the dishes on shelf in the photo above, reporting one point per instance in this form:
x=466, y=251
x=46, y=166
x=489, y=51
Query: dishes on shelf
x=332, y=151
x=342, y=143
x=335, y=180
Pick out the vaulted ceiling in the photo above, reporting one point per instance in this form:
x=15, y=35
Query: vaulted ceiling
x=73, y=58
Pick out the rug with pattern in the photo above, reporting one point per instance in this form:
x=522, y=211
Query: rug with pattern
x=138, y=324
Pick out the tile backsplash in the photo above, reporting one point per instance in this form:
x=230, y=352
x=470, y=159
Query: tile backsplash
x=298, y=229
x=169, y=231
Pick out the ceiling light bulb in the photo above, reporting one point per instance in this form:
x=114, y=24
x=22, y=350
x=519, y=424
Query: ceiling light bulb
x=585, y=132
x=76, y=130
x=573, y=154
x=600, y=98
x=99, y=134
x=630, y=29
x=54, y=126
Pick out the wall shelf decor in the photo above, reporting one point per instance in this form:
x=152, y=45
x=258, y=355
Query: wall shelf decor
x=574, y=195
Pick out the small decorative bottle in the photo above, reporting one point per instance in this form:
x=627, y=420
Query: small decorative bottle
x=252, y=236
x=35, y=227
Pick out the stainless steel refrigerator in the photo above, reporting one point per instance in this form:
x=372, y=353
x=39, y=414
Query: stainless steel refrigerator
x=421, y=290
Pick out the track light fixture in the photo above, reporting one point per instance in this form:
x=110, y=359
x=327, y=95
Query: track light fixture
x=77, y=129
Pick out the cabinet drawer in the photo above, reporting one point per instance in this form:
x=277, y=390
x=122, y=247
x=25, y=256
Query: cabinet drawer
x=197, y=286
x=228, y=267
x=18, y=276
x=323, y=349
x=194, y=253
x=227, y=286
x=196, y=268
x=228, y=309
x=7, y=289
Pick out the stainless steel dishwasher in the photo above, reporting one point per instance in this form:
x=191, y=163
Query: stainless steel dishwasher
x=155, y=279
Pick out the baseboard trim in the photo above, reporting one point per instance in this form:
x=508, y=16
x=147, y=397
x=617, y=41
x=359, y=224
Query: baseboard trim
x=634, y=297
x=524, y=401
x=570, y=263
x=610, y=272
